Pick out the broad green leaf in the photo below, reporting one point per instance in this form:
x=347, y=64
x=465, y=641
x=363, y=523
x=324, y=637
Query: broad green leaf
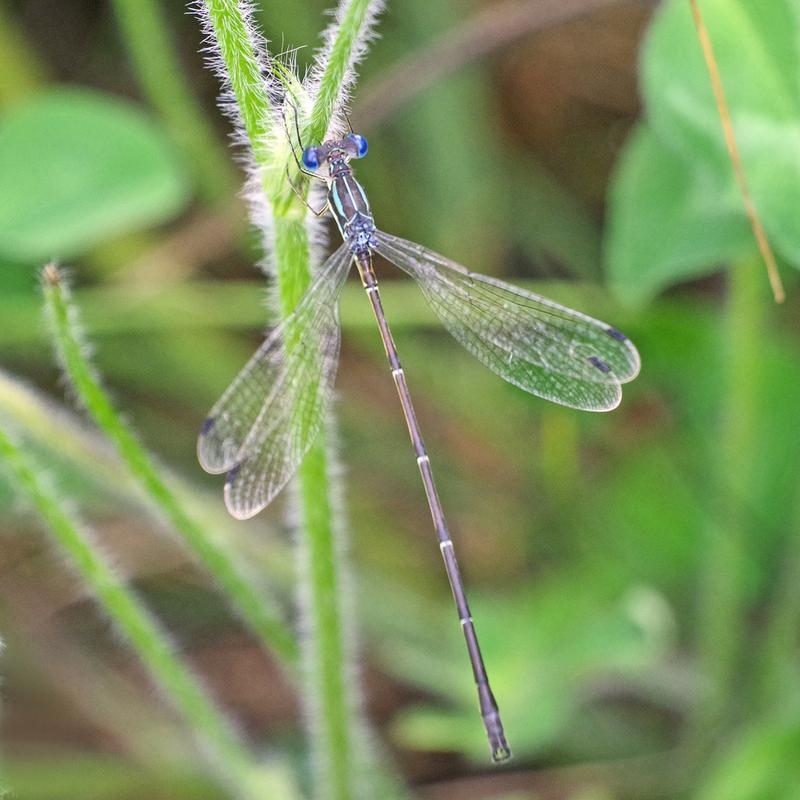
x=78, y=167
x=757, y=48
x=669, y=219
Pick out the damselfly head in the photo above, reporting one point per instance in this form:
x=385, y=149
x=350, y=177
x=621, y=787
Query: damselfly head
x=351, y=146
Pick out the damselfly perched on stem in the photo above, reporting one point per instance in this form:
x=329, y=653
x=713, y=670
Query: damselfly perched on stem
x=264, y=424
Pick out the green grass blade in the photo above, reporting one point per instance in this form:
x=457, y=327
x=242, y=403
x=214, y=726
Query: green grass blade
x=228, y=758
x=228, y=572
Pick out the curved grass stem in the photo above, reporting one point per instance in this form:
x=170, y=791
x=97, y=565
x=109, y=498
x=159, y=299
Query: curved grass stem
x=229, y=573
x=229, y=759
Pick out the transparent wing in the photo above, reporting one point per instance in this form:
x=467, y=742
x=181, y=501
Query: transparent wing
x=265, y=422
x=536, y=344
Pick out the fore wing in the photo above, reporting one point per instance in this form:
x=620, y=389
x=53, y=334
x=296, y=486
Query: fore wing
x=538, y=345
x=266, y=421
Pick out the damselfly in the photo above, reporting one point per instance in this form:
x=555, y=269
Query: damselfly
x=264, y=424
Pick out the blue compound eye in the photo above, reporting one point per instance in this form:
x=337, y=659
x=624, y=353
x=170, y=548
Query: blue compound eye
x=310, y=158
x=361, y=144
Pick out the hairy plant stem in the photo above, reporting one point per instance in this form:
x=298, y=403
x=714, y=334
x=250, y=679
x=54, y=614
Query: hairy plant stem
x=329, y=94
x=328, y=652
x=243, y=71
x=327, y=660
x=230, y=575
x=324, y=571
x=145, y=31
x=722, y=618
x=228, y=757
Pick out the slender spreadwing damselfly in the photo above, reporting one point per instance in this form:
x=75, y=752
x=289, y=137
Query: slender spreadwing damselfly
x=264, y=424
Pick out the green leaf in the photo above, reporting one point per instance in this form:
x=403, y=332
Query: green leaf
x=78, y=167
x=757, y=48
x=669, y=220
x=675, y=210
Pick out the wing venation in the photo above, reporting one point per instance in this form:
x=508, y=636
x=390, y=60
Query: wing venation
x=267, y=419
x=534, y=343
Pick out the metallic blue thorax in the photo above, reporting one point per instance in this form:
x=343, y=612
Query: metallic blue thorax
x=350, y=207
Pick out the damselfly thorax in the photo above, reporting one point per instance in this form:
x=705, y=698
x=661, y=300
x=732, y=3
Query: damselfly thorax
x=349, y=205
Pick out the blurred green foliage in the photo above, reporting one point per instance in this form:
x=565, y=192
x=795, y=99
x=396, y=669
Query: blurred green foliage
x=676, y=210
x=635, y=575
x=79, y=168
